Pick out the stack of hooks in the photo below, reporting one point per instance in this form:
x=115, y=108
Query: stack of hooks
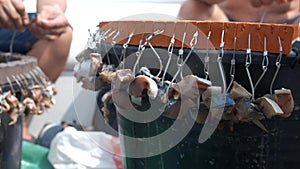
x=138, y=87
x=23, y=86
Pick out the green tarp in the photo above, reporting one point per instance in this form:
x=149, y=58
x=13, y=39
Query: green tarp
x=34, y=156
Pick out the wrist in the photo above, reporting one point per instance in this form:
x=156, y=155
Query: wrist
x=56, y=7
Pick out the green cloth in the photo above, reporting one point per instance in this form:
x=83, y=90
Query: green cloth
x=34, y=156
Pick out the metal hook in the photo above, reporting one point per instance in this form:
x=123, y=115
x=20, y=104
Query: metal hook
x=18, y=82
x=193, y=43
x=115, y=37
x=125, y=46
x=109, y=35
x=103, y=37
x=232, y=67
x=248, y=64
x=43, y=75
x=206, y=58
x=35, y=79
x=142, y=48
x=158, y=32
x=92, y=40
x=180, y=55
x=30, y=78
x=170, y=53
x=152, y=35
x=278, y=65
x=11, y=86
x=23, y=86
x=41, y=71
x=103, y=34
x=194, y=40
x=40, y=77
x=26, y=84
x=180, y=52
x=139, y=53
x=265, y=63
x=219, y=61
x=113, y=43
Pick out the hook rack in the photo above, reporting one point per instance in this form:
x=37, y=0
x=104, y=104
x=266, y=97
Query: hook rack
x=23, y=86
x=240, y=30
x=213, y=43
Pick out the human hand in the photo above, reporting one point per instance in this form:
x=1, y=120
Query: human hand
x=51, y=22
x=13, y=15
x=259, y=3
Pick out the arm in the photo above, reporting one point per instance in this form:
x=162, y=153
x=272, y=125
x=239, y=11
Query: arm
x=213, y=10
x=51, y=27
x=60, y=4
x=202, y=10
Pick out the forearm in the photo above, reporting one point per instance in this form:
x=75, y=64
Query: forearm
x=193, y=10
x=61, y=4
x=201, y=10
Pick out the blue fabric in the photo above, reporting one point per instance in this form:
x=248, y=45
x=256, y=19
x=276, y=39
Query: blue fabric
x=22, y=44
x=46, y=138
x=293, y=19
x=112, y=116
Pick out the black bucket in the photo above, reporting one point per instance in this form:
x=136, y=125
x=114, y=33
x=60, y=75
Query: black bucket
x=10, y=136
x=10, y=143
x=247, y=147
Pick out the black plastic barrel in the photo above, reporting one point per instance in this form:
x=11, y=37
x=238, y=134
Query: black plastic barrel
x=10, y=136
x=247, y=147
x=10, y=143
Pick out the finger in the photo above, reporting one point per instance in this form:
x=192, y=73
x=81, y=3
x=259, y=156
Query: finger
x=54, y=23
x=20, y=8
x=14, y=17
x=37, y=31
x=57, y=31
x=4, y=19
x=256, y=3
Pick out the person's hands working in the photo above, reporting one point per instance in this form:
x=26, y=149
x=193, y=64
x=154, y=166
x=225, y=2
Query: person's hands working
x=278, y=11
x=13, y=15
x=50, y=23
